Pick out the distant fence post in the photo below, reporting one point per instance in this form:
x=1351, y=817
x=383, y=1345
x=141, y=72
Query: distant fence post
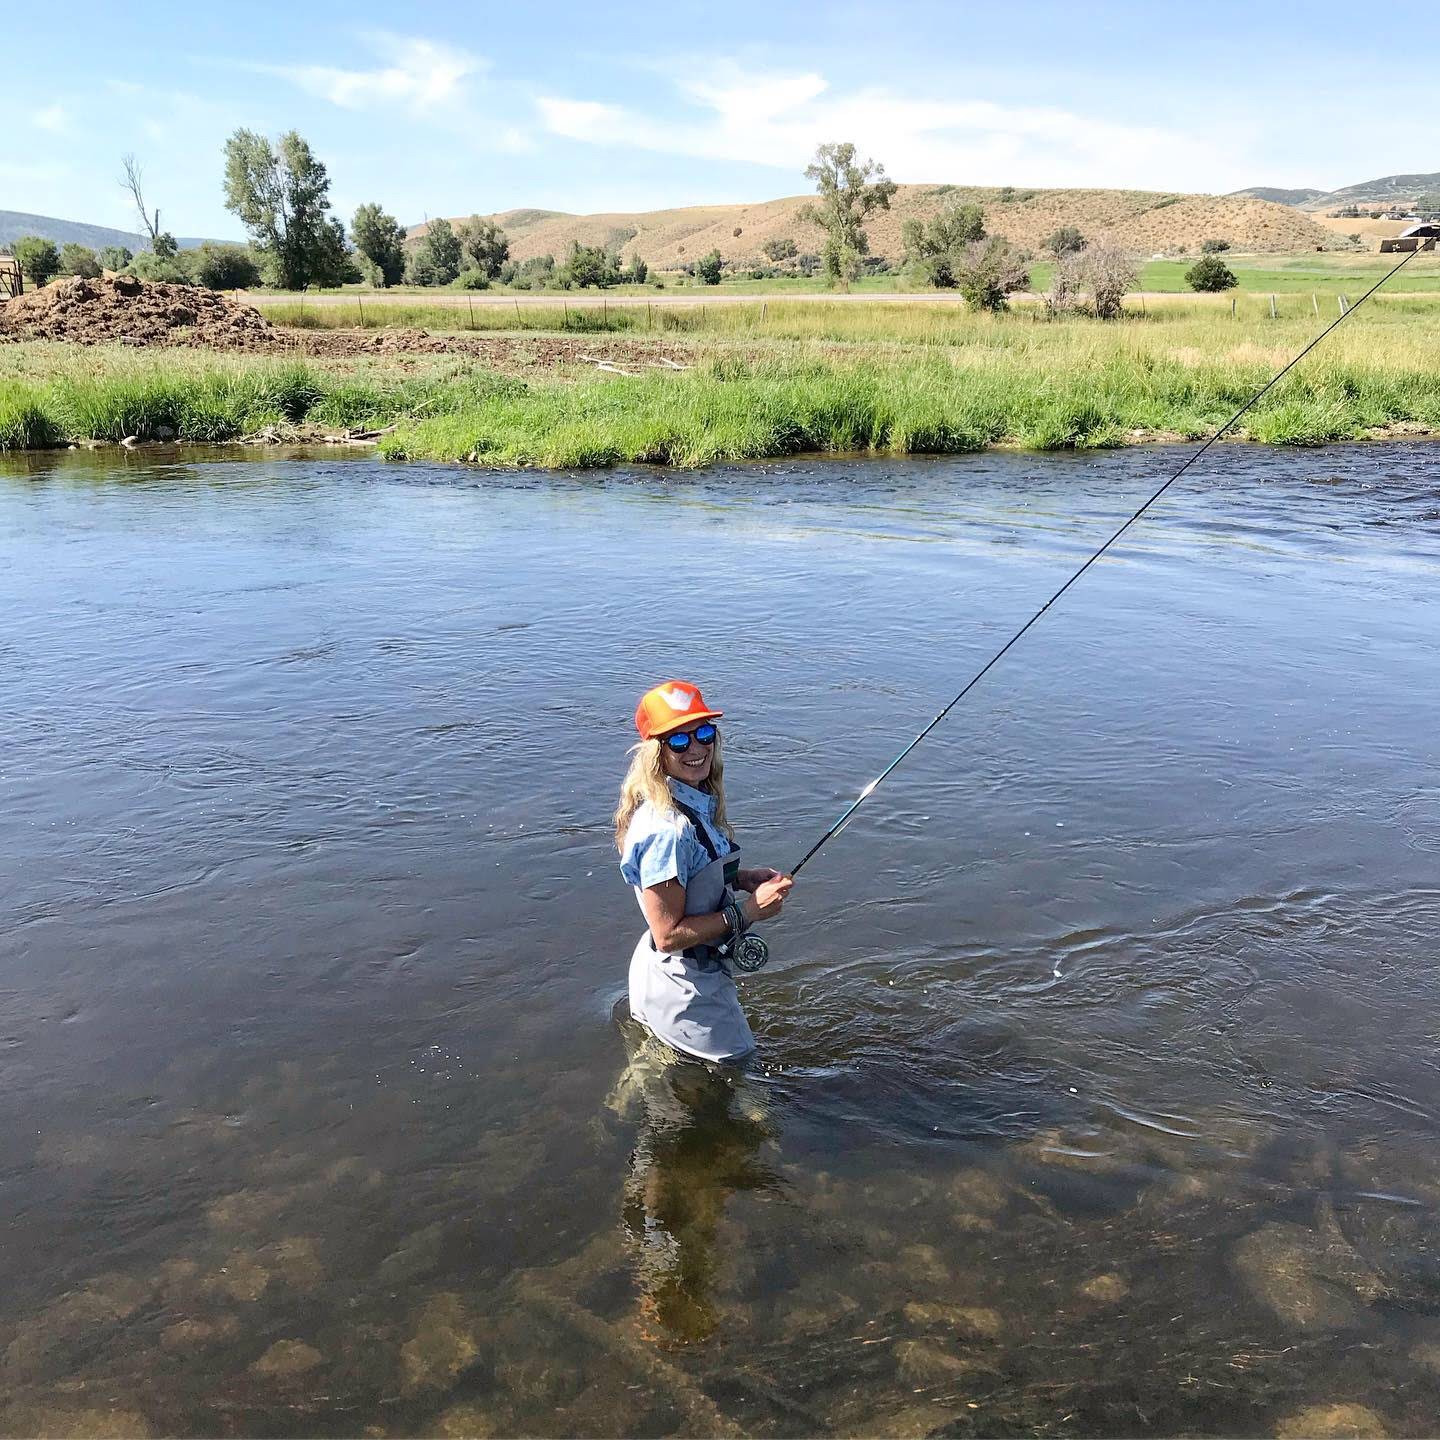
x=471, y=299
x=1343, y=303
x=1315, y=301
x=762, y=312
x=1232, y=307
x=1272, y=308
x=361, y=303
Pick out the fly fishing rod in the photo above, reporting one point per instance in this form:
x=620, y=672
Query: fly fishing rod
x=985, y=669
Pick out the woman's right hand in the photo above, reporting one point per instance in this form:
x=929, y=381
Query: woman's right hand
x=768, y=897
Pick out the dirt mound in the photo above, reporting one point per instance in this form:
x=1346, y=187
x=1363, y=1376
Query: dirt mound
x=124, y=310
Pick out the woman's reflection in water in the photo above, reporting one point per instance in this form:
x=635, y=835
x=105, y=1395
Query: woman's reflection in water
x=701, y=1129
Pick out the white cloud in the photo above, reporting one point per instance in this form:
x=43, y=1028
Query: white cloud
x=52, y=118
x=420, y=74
x=778, y=119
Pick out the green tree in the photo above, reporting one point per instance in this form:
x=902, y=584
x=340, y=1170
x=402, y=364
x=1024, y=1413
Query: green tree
x=380, y=238
x=168, y=269
x=225, y=267
x=281, y=194
x=535, y=273
x=848, y=191
x=1067, y=240
x=115, y=257
x=588, y=265
x=485, y=245
x=1210, y=273
x=38, y=258
x=777, y=250
x=439, y=256
x=708, y=268
x=987, y=271
x=934, y=250
x=636, y=272
x=79, y=260
x=1214, y=247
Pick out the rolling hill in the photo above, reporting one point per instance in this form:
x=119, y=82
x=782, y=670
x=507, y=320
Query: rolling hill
x=15, y=223
x=1280, y=197
x=1150, y=222
x=1385, y=191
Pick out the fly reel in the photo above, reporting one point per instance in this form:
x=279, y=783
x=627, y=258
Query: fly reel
x=751, y=954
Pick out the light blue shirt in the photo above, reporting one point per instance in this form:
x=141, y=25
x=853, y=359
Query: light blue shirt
x=663, y=845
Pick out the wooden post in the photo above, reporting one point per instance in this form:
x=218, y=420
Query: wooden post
x=359, y=300
x=1232, y=307
x=471, y=299
x=517, y=309
x=1315, y=302
x=649, y=318
x=1340, y=300
x=762, y=312
x=604, y=310
x=566, y=324
x=1272, y=307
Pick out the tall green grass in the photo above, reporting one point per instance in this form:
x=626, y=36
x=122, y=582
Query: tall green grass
x=732, y=410
x=211, y=399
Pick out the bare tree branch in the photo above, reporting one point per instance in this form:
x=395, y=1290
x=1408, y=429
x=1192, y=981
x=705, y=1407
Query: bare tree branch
x=132, y=182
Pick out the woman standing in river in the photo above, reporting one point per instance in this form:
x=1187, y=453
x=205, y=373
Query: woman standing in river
x=679, y=853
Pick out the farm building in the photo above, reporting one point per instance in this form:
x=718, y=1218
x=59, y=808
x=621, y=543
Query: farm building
x=11, y=281
x=1417, y=237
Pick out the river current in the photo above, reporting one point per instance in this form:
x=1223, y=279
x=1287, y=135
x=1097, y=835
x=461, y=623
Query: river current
x=1097, y=1090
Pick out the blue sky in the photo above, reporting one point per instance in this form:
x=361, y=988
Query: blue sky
x=445, y=108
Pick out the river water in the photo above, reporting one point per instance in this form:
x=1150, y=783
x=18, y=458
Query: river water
x=1098, y=1075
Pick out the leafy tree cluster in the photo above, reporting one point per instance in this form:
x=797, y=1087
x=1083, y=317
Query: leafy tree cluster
x=934, y=251
x=1214, y=247
x=848, y=191
x=379, y=241
x=438, y=258
x=536, y=273
x=39, y=259
x=708, y=268
x=281, y=194
x=777, y=250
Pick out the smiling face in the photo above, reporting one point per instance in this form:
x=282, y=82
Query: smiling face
x=692, y=766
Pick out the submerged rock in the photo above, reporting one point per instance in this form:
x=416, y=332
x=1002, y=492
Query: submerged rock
x=192, y=1334
x=913, y=1421
x=287, y=1357
x=1333, y=1422
x=925, y=1364
x=1311, y=1280
x=241, y=1277
x=1105, y=1289
x=442, y=1346
x=972, y=1322
x=93, y=1424
x=463, y=1422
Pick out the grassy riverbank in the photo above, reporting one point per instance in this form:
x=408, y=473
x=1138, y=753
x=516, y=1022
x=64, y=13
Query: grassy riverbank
x=850, y=378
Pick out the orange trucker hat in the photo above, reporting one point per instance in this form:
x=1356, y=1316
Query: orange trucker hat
x=669, y=706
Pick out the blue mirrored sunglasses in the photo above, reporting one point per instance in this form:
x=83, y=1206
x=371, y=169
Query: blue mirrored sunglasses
x=679, y=742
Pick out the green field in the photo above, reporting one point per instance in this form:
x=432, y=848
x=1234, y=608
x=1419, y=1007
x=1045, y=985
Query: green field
x=1325, y=276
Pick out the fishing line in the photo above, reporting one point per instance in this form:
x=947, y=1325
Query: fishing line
x=985, y=669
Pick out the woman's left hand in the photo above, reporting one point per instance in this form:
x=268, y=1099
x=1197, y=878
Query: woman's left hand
x=752, y=879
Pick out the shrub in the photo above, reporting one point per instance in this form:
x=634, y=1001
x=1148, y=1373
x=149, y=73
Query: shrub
x=708, y=267
x=1006, y=195
x=79, y=260
x=778, y=250
x=986, y=271
x=934, y=251
x=588, y=265
x=636, y=272
x=1210, y=273
x=38, y=258
x=115, y=257
x=1067, y=240
x=225, y=267
x=1108, y=272
x=472, y=279
x=168, y=269
x=1213, y=247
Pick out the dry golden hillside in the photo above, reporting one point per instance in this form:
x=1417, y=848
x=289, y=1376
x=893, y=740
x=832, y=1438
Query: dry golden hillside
x=1149, y=222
